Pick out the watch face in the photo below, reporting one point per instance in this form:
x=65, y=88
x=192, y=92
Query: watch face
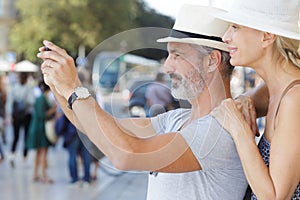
x=82, y=93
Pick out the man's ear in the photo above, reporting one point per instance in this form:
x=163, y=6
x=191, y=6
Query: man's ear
x=214, y=60
x=268, y=39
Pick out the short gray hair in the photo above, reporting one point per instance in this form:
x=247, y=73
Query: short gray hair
x=227, y=68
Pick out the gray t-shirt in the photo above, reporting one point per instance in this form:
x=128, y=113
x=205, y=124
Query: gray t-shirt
x=221, y=177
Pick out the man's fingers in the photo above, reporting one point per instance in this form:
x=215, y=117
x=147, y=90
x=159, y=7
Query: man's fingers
x=55, y=48
x=48, y=63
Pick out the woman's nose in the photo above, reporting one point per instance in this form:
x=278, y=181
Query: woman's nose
x=226, y=36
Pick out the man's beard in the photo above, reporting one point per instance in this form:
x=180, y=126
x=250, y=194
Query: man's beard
x=189, y=87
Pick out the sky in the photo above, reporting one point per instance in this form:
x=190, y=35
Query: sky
x=171, y=7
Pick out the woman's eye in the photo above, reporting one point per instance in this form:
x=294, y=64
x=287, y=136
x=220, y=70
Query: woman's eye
x=234, y=26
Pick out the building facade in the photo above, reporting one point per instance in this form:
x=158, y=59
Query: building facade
x=8, y=14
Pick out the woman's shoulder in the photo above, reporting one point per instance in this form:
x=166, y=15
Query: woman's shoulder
x=288, y=110
x=292, y=95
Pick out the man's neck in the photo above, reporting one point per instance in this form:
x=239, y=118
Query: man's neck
x=209, y=98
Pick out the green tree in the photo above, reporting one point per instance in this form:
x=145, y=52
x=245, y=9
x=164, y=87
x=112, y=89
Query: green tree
x=71, y=23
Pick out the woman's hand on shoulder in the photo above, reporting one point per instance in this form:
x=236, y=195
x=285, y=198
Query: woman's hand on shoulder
x=231, y=117
x=246, y=106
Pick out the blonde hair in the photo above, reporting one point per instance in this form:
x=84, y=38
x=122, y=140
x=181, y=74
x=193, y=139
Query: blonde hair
x=289, y=49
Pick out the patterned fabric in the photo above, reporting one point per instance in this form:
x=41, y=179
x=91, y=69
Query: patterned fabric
x=264, y=148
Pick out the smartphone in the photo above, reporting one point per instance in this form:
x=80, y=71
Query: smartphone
x=47, y=49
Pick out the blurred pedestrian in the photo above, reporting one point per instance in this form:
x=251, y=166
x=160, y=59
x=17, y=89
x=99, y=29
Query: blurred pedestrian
x=19, y=107
x=95, y=155
x=2, y=116
x=158, y=96
x=264, y=35
x=37, y=139
x=94, y=151
x=75, y=148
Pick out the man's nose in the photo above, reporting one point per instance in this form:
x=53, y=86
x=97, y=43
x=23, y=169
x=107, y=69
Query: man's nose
x=167, y=67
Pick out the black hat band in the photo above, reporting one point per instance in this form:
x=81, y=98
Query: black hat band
x=182, y=34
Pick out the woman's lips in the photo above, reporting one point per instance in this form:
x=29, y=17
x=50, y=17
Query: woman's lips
x=232, y=51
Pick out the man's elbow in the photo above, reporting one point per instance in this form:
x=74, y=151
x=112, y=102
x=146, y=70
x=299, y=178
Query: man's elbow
x=124, y=162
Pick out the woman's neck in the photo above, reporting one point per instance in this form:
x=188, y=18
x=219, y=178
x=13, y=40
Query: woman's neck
x=277, y=74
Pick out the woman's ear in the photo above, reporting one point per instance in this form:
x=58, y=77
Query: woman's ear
x=268, y=39
x=214, y=60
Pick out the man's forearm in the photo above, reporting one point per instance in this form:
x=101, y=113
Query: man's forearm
x=64, y=106
x=86, y=120
x=124, y=149
x=140, y=127
x=260, y=98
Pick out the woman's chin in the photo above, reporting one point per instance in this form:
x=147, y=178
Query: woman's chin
x=234, y=62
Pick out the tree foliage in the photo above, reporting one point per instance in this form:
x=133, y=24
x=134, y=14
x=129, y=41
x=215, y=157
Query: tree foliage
x=71, y=23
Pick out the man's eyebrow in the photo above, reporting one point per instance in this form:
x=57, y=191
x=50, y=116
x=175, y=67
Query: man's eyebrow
x=175, y=51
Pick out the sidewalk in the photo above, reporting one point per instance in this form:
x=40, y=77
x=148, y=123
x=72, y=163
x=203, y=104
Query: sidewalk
x=16, y=183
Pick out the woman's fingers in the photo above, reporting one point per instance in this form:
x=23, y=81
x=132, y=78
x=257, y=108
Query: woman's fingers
x=246, y=106
x=230, y=117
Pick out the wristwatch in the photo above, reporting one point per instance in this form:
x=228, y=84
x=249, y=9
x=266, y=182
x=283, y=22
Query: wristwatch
x=79, y=93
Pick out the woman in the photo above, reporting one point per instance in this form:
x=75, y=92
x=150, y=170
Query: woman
x=264, y=35
x=37, y=136
x=2, y=115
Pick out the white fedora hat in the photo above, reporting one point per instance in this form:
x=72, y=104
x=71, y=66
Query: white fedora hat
x=196, y=25
x=279, y=17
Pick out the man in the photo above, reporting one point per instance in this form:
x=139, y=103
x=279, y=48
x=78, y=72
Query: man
x=189, y=154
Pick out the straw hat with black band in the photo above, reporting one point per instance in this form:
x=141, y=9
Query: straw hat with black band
x=195, y=25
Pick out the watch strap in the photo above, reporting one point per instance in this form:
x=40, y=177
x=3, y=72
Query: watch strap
x=71, y=100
